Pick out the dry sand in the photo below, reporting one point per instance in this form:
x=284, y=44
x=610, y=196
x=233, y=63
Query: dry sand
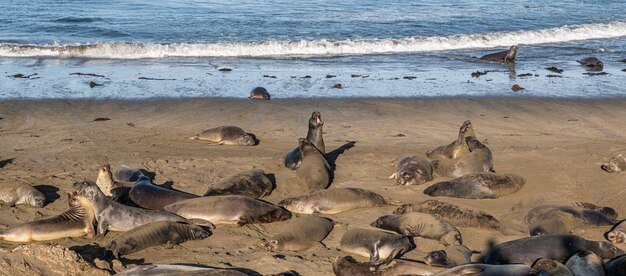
x=557, y=145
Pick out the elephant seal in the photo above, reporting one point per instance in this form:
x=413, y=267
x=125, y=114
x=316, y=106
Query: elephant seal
x=177, y=269
x=616, y=267
x=451, y=256
x=127, y=174
x=153, y=234
x=75, y=222
x=452, y=213
x=563, y=219
x=421, y=225
x=374, y=244
x=22, y=194
x=551, y=267
x=314, y=135
x=487, y=270
x=254, y=184
x=314, y=170
x=478, y=159
x=259, y=93
x=616, y=164
x=503, y=56
x=229, y=209
x=535, y=213
x=301, y=234
x=617, y=234
x=455, y=149
x=348, y=266
x=591, y=62
x=226, y=135
x=585, y=263
x=117, y=190
x=115, y=216
x=412, y=170
x=478, y=185
x=556, y=247
x=334, y=201
x=150, y=196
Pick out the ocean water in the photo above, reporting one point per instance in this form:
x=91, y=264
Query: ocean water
x=141, y=49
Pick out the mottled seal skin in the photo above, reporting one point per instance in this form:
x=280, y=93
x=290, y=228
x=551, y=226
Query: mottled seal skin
x=334, y=201
x=556, y=247
x=76, y=222
x=259, y=93
x=147, y=195
x=563, y=219
x=115, y=216
x=451, y=256
x=175, y=269
x=592, y=62
x=551, y=267
x=314, y=135
x=22, y=194
x=616, y=164
x=374, y=244
x=117, y=190
x=616, y=267
x=478, y=159
x=348, y=266
x=452, y=213
x=421, y=225
x=487, y=270
x=301, y=234
x=314, y=170
x=254, y=184
x=585, y=263
x=478, y=185
x=535, y=213
x=229, y=209
x=153, y=234
x=457, y=148
x=226, y=135
x=412, y=170
x=503, y=56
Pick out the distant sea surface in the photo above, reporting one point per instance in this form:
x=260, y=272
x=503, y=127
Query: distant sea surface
x=144, y=49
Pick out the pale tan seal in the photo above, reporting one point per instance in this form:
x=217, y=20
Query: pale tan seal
x=454, y=214
x=615, y=164
x=226, y=135
x=503, y=56
x=617, y=234
x=334, y=201
x=300, y=234
x=457, y=148
x=478, y=159
x=486, y=270
x=585, y=263
x=552, y=267
x=177, y=269
x=117, y=190
x=252, y=183
x=314, y=170
x=478, y=185
x=421, y=225
x=563, y=219
x=374, y=244
x=22, y=194
x=259, y=93
x=451, y=256
x=412, y=170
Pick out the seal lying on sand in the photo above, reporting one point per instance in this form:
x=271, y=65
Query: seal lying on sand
x=334, y=201
x=537, y=212
x=616, y=164
x=76, y=222
x=147, y=195
x=301, y=234
x=22, y=194
x=421, y=225
x=127, y=174
x=553, y=268
x=455, y=149
x=452, y=213
x=451, y=256
x=617, y=234
x=229, y=209
x=478, y=159
x=374, y=244
x=412, y=170
x=152, y=234
x=585, y=263
x=259, y=93
x=176, y=269
x=556, y=247
x=314, y=135
x=563, y=219
x=254, y=184
x=314, y=170
x=478, y=185
x=487, y=270
x=348, y=266
x=504, y=56
x=226, y=135
x=115, y=216
x=592, y=62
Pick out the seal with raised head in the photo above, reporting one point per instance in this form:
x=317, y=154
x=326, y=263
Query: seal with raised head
x=412, y=170
x=451, y=256
x=348, y=266
x=22, y=194
x=150, y=196
x=478, y=159
x=503, y=56
x=563, y=219
x=229, y=209
x=556, y=247
x=259, y=93
x=127, y=174
x=115, y=216
x=75, y=222
x=592, y=62
x=553, y=268
x=301, y=234
x=314, y=135
x=226, y=135
x=457, y=148
x=478, y=185
x=585, y=263
x=616, y=164
x=314, y=170
x=374, y=244
x=252, y=183
x=334, y=201
x=454, y=214
x=117, y=190
x=487, y=270
x=153, y=234
x=421, y=225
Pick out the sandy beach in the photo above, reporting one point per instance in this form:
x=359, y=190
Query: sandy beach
x=558, y=145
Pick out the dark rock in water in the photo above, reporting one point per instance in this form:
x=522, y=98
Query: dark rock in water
x=101, y=119
x=553, y=76
x=591, y=62
x=595, y=73
x=146, y=78
x=306, y=77
x=554, y=69
x=224, y=69
x=87, y=74
x=338, y=86
x=480, y=73
x=93, y=84
x=22, y=76
x=525, y=75
x=355, y=76
x=623, y=70
x=330, y=76
x=409, y=77
x=517, y=87
x=623, y=60
x=269, y=76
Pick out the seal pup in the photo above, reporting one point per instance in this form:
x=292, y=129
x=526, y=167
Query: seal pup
x=150, y=196
x=75, y=222
x=412, y=170
x=451, y=256
x=374, y=244
x=229, y=209
x=503, y=56
x=487, y=270
x=421, y=225
x=22, y=194
x=592, y=62
x=348, y=266
x=334, y=201
x=115, y=216
x=478, y=185
x=301, y=234
x=314, y=135
x=153, y=234
x=314, y=170
x=563, y=219
x=452, y=213
x=551, y=267
x=455, y=149
x=177, y=269
x=616, y=267
x=585, y=263
x=259, y=93
x=226, y=135
x=556, y=247
x=616, y=164
x=254, y=184
x=478, y=159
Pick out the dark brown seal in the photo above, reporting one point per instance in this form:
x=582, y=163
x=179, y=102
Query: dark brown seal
x=314, y=170
x=592, y=62
x=147, y=195
x=503, y=56
x=259, y=93
x=314, y=135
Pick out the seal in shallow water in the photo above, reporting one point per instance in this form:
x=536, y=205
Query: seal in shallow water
x=314, y=170
x=314, y=135
x=454, y=214
x=504, y=56
x=421, y=225
x=374, y=244
x=150, y=196
x=334, y=201
x=252, y=183
x=226, y=135
x=300, y=234
x=616, y=164
x=22, y=194
x=259, y=93
x=412, y=170
x=592, y=62
x=457, y=148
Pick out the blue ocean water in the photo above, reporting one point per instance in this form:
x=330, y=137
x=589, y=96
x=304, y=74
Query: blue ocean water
x=278, y=44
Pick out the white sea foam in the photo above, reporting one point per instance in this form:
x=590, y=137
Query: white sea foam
x=123, y=50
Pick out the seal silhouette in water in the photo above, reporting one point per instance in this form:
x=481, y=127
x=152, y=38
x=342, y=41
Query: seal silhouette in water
x=504, y=56
x=259, y=93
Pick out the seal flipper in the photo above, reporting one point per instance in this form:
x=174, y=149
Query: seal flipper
x=102, y=227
